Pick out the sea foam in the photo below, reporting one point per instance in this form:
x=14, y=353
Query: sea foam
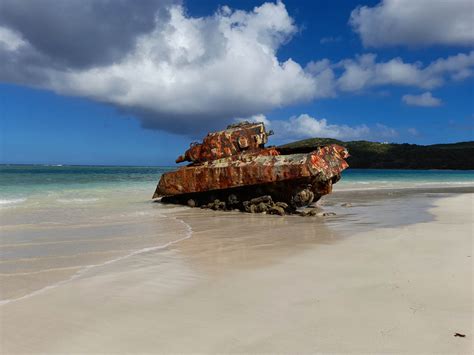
x=11, y=201
x=188, y=234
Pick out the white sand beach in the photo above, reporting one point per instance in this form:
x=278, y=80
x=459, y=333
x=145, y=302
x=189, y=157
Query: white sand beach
x=400, y=290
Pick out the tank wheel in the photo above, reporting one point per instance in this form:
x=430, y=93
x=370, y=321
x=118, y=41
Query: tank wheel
x=302, y=198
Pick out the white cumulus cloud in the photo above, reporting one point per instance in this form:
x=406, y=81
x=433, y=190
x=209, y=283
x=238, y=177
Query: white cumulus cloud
x=364, y=72
x=426, y=100
x=192, y=72
x=305, y=126
x=415, y=22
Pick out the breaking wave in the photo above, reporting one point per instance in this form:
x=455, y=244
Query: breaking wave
x=11, y=201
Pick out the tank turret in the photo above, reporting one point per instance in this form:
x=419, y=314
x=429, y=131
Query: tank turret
x=237, y=138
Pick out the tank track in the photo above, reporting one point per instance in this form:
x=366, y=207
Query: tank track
x=278, y=198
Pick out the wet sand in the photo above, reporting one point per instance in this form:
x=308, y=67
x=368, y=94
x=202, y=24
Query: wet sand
x=393, y=273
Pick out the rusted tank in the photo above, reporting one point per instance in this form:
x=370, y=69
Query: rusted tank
x=232, y=169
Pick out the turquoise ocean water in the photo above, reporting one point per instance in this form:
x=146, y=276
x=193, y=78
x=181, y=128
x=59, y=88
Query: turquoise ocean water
x=20, y=184
x=62, y=223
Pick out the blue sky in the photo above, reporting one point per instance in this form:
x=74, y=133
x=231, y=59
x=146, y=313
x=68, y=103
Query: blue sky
x=92, y=90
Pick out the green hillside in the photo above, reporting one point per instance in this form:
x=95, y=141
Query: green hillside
x=375, y=155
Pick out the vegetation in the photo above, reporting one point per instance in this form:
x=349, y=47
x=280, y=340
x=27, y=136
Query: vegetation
x=373, y=155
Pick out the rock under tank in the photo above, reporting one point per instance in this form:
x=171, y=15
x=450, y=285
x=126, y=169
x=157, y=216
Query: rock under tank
x=233, y=170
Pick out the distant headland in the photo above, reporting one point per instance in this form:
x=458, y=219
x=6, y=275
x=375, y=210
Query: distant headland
x=374, y=155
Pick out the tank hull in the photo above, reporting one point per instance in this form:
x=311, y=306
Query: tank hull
x=284, y=177
x=288, y=191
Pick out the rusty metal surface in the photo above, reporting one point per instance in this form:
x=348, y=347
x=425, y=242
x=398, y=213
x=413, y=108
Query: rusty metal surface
x=263, y=166
x=244, y=137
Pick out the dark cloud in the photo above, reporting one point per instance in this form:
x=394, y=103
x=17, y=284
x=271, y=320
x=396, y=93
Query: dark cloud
x=81, y=33
x=192, y=124
x=24, y=68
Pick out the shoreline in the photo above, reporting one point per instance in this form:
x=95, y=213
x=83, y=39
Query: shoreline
x=225, y=291
x=448, y=187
